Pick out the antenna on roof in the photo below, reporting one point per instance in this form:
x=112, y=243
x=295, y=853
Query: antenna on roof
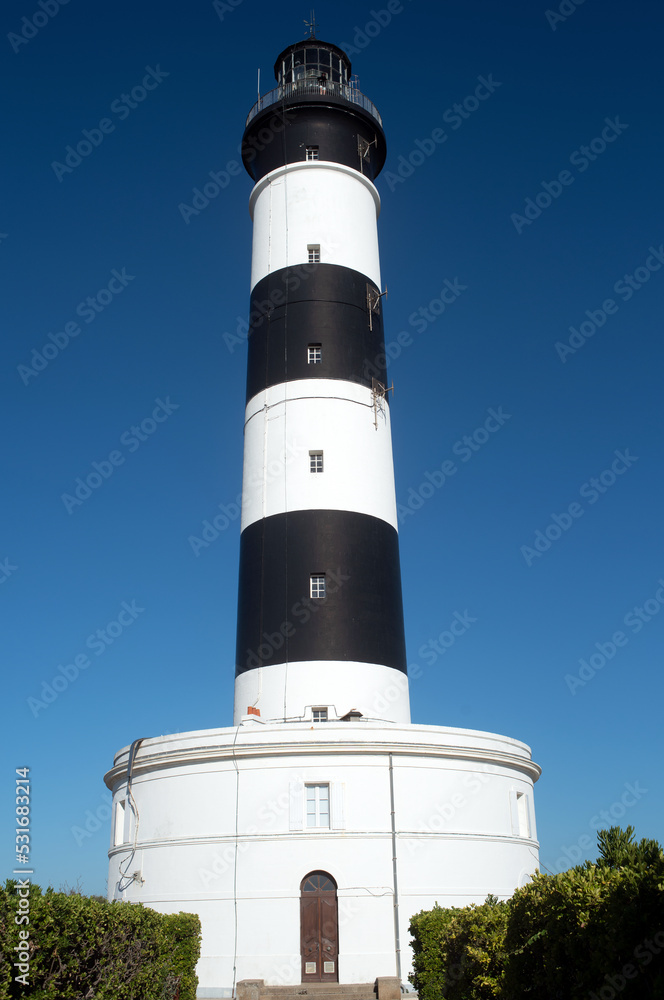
x=311, y=25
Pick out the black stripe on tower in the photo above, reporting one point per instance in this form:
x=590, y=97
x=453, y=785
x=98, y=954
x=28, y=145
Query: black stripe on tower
x=324, y=304
x=340, y=130
x=361, y=617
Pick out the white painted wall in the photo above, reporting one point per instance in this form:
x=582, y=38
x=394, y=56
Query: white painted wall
x=287, y=421
x=455, y=843
x=377, y=691
x=321, y=203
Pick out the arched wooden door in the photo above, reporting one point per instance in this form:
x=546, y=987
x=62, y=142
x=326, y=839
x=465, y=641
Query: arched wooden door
x=319, y=934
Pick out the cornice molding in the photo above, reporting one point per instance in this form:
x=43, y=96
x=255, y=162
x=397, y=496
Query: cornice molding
x=265, y=745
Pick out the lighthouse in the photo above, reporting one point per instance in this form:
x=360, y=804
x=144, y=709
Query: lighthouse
x=308, y=832
x=320, y=619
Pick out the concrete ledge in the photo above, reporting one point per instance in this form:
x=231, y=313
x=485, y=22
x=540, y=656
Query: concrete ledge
x=250, y=989
x=388, y=988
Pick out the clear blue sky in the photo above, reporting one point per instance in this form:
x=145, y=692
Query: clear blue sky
x=532, y=92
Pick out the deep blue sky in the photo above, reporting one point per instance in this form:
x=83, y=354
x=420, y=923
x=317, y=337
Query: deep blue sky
x=67, y=574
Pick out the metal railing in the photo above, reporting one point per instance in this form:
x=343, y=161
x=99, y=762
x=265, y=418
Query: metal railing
x=302, y=88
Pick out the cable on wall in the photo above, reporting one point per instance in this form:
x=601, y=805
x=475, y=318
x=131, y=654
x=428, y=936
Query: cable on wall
x=126, y=879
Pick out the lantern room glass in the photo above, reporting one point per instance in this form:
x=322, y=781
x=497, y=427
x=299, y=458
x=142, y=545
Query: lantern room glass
x=313, y=63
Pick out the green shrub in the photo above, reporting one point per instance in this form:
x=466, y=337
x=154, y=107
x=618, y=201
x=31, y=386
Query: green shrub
x=594, y=931
x=548, y=934
x=429, y=931
x=89, y=949
x=593, y=928
x=459, y=952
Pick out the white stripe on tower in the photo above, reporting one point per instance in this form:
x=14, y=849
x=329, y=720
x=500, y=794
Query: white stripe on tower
x=316, y=203
x=286, y=422
x=319, y=509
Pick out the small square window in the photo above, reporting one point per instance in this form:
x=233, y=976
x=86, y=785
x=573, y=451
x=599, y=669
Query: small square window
x=319, y=714
x=318, y=806
x=312, y=152
x=315, y=461
x=314, y=354
x=317, y=585
x=313, y=250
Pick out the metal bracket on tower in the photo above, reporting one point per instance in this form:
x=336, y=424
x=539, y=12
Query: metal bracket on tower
x=373, y=303
x=364, y=149
x=379, y=392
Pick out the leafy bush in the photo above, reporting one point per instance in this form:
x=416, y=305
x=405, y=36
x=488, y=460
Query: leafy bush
x=89, y=949
x=429, y=929
x=594, y=931
x=459, y=952
x=552, y=923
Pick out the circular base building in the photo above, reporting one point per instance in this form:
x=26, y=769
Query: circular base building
x=306, y=847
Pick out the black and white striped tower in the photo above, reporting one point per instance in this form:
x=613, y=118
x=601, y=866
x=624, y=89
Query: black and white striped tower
x=320, y=618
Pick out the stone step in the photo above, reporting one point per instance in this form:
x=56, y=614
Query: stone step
x=317, y=988
x=320, y=991
x=383, y=988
